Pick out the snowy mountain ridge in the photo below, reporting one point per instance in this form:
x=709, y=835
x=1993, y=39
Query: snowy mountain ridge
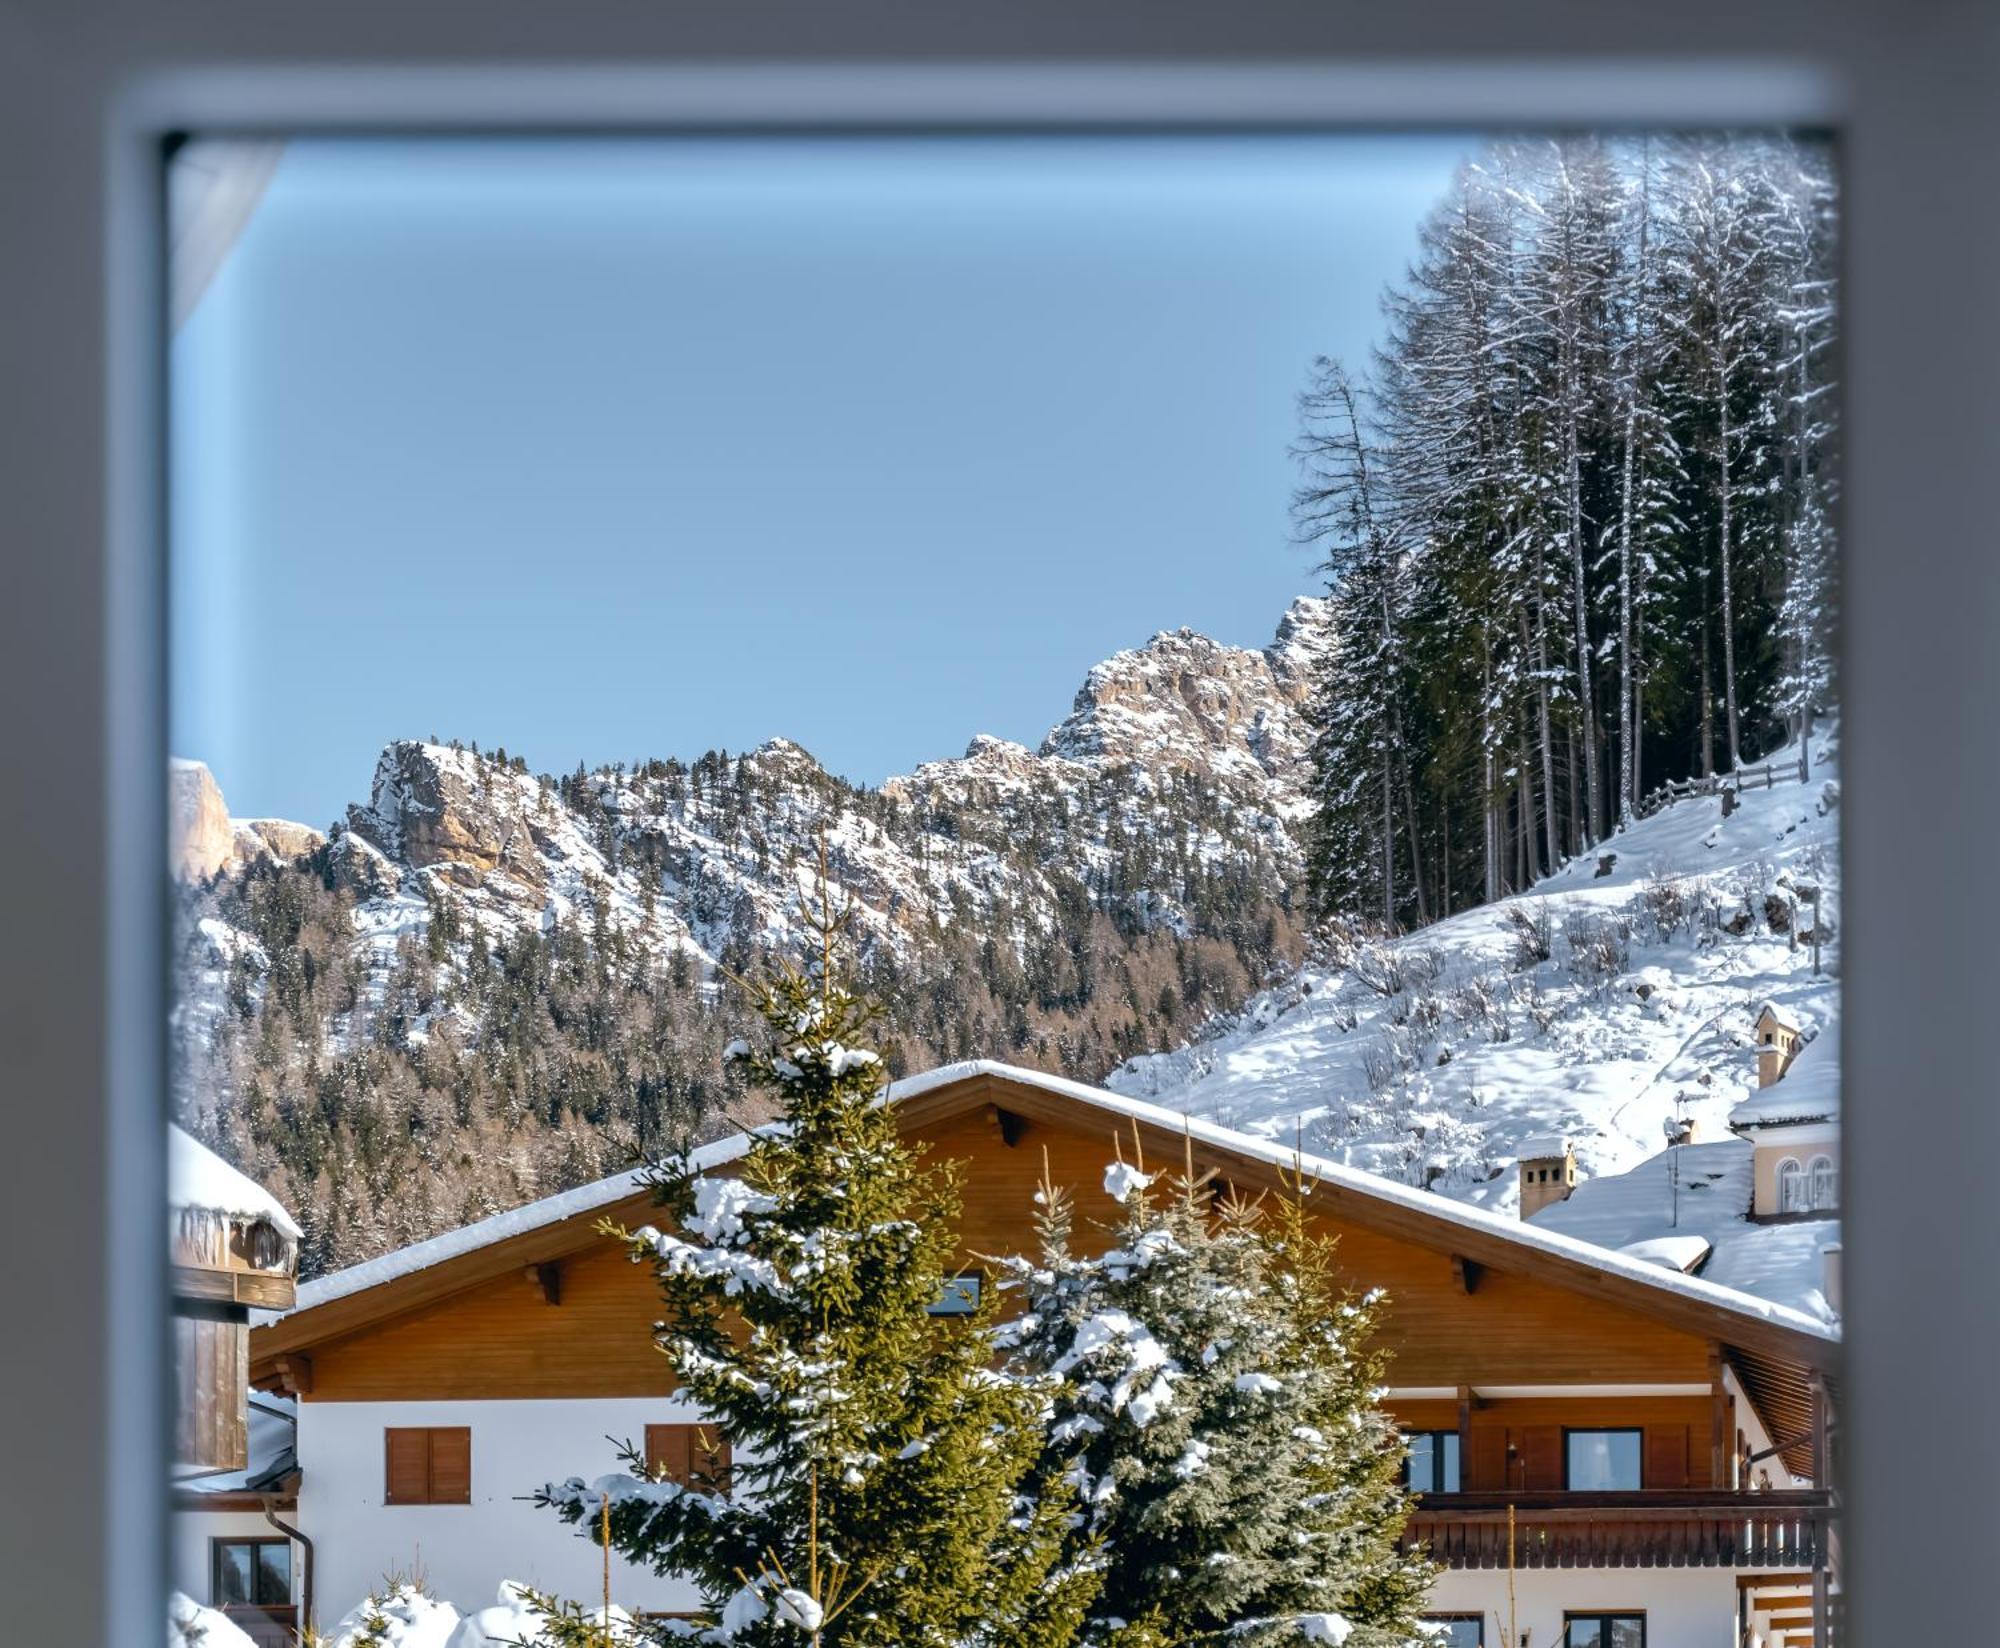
x=1176, y=780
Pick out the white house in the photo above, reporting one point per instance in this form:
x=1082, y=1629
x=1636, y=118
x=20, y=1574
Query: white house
x=1608, y=1399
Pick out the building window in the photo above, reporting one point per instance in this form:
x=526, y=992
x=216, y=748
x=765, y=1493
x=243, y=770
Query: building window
x=1823, y=1184
x=1455, y=1630
x=1433, y=1466
x=250, y=1573
x=692, y=1456
x=1604, y=1631
x=1602, y=1461
x=1793, y=1191
x=427, y=1465
x=959, y=1296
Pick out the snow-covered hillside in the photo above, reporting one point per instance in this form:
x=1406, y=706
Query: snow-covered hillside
x=1616, y=995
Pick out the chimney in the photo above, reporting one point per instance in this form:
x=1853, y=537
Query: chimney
x=1548, y=1173
x=1777, y=1043
x=1829, y=1277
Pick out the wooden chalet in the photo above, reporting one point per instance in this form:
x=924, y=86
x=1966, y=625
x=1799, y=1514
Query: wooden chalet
x=233, y=1250
x=1599, y=1425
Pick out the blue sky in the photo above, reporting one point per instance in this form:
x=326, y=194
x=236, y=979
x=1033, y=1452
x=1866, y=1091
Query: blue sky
x=609, y=450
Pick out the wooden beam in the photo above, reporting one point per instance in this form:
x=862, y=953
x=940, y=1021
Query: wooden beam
x=1007, y=1124
x=295, y=1373
x=546, y=1280
x=1718, y=1420
x=1466, y=1273
x=1465, y=1406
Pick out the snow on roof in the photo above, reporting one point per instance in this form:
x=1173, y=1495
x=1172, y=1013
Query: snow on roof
x=1675, y=1252
x=198, y=1178
x=1627, y=1211
x=1772, y=1010
x=498, y=1227
x=1543, y=1147
x=1808, y=1091
x=605, y=1193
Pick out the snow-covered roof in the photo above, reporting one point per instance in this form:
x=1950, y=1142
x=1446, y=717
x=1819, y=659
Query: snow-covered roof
x=1777, y=1014
x=550, y=1210
x=1544, y=1147
x=1675, y=1252
x=1535, y=1237
x=1809, y=1090
x=198, y=1178
x=1631, y=1211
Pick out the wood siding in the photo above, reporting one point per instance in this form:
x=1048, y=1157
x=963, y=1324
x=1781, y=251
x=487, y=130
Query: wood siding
x=212, y=1380
x=1517, y=1442
x=500, y=1337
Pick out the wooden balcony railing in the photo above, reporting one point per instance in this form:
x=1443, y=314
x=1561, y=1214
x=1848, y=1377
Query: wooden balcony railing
x=1667, y=1529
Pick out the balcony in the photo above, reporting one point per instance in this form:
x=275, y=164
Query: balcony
x=1695, y=1528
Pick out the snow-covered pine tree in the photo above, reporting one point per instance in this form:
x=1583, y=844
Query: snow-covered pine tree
x=875, y=1493
x=1214, y=1410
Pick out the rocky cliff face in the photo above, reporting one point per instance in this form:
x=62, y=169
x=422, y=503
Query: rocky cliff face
x=204, y=839
x=1180, y=767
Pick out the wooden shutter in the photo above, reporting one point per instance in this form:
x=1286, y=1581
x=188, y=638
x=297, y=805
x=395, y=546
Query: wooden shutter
x=451, y=1465
x=1541, y=1456
x=408, y=1471
x=427, y=1465
x=670, y=1452
x=1486, y=1459
x=1666, y=1456
x=692, y=1455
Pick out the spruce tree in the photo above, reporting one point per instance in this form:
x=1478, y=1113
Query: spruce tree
x=874, y=1497
x=1213, y=1409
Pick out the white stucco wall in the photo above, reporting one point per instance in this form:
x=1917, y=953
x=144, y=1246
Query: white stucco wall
x=1684, y=1607
x=190, y=1572
x=467, y=1550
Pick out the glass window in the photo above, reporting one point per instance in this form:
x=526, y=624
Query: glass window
x=1601, y=1461
x=1433, y=1466
x=1604, y=1631
x=1456, y=1630
x=958, y=1297
x=1824, y=1188
x=252, y=1573
x=1791, y=1186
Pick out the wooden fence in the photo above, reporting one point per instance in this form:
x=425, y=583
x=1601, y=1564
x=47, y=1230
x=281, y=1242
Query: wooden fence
x=1769, y=775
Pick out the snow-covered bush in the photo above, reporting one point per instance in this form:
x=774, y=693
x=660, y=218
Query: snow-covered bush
x=1599, y=946
x=190, y=1625
x=524, y=1618
x=1533, y=931
x=401, y=1615
x=1672, y=905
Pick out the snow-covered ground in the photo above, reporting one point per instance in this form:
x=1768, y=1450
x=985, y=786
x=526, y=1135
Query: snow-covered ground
x=1430, y=1058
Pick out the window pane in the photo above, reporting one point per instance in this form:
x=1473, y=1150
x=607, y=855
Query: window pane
x=1448, y=1478
x=1603, y=1461
x=958, y=1297
x=1455, y=1633
x=274, y=1572
x=1421, y=1462
x=1628, y=1631
x=232, y=1574
x=1584, y=1633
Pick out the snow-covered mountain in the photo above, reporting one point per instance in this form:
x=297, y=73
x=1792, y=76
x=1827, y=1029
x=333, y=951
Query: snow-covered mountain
x=1173, y=787
x=1614, y=996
